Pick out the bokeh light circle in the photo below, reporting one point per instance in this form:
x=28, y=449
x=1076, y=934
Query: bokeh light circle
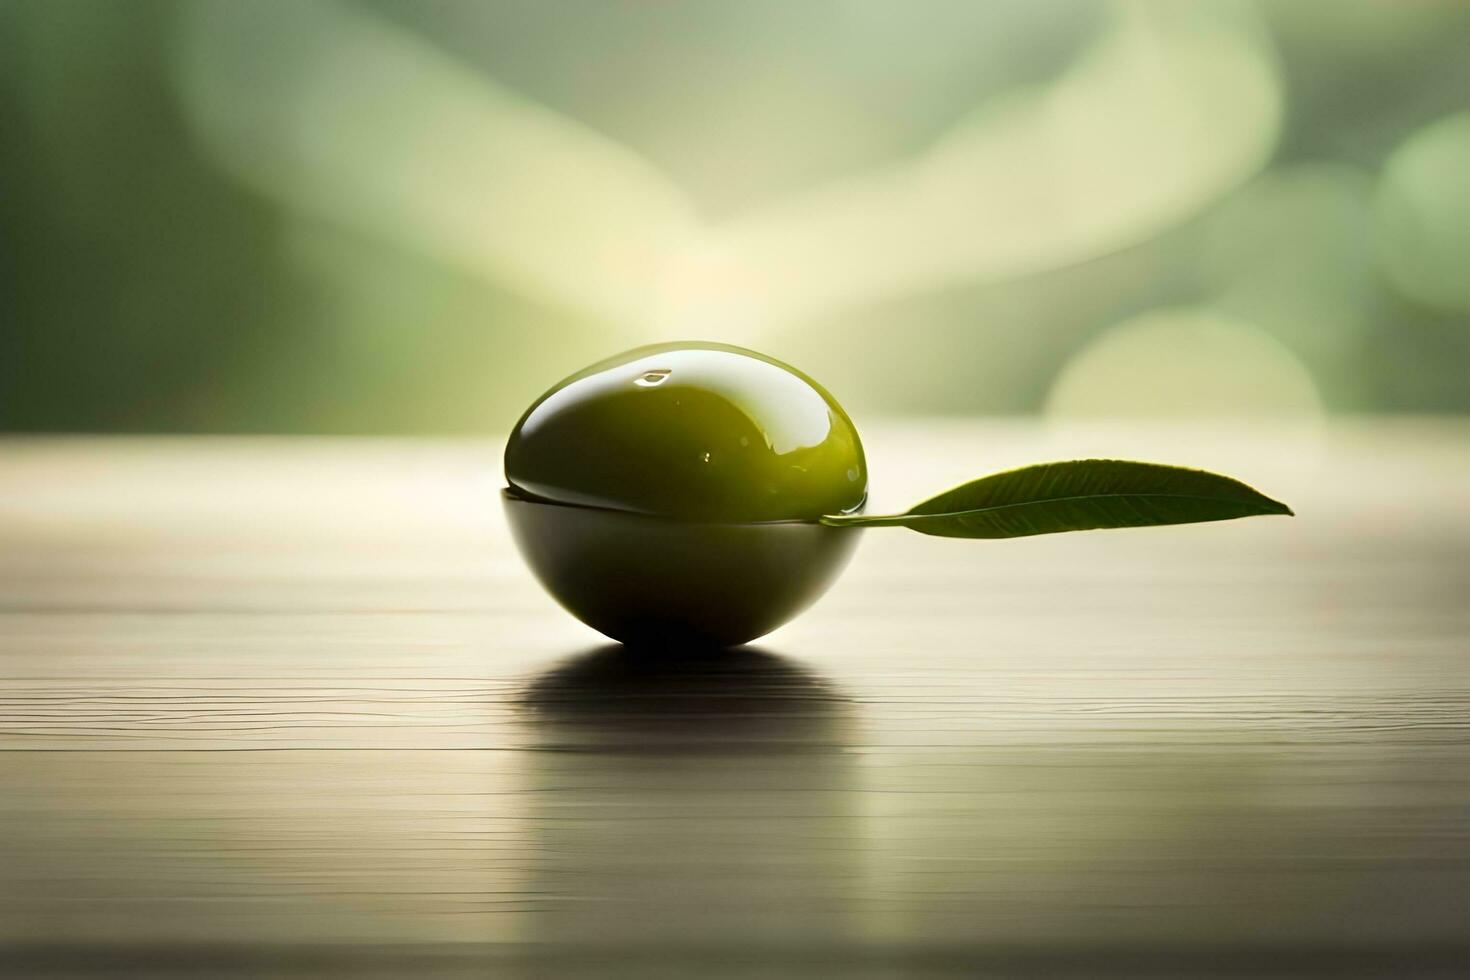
x=1186, y=362
x=1423, y=214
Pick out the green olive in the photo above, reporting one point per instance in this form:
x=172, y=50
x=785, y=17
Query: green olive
x=700, y=432
x=669, y=495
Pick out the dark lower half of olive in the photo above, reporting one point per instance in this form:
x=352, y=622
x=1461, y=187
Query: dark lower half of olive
x=659, y=582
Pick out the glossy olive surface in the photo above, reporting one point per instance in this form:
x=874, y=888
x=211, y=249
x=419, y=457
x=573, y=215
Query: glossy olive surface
x=691, y=431
x=650, y=581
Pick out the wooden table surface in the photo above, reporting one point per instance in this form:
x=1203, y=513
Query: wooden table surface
x=277, y=707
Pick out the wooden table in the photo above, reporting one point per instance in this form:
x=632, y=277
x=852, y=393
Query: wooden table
x=295, y=708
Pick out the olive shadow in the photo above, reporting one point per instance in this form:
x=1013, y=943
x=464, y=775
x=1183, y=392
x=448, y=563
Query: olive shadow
x=690, y=799
x=743, y=699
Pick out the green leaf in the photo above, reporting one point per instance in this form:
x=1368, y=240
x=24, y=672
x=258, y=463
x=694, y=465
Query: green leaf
x=1076, y=496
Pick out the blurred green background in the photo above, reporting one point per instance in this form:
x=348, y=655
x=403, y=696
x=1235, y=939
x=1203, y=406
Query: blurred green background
x=384, y=216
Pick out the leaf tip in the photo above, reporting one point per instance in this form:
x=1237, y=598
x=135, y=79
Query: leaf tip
x=1276, y=508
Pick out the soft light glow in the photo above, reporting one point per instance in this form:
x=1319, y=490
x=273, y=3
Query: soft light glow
x=1424, y=214
x=357, y=121
x=1171, y=105
x=1293, y=253
x=1184, y=363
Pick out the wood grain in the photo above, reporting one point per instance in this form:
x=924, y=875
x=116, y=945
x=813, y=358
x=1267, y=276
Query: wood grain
x=293, y=707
